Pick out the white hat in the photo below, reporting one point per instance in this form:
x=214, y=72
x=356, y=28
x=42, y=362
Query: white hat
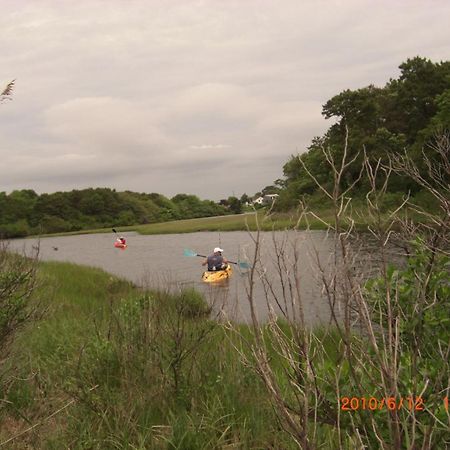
x=218, y=249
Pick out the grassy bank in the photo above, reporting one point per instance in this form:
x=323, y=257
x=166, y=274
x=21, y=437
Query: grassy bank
x=239, y=222
x=110, y=366
x=321, y=220
x=129, y=369
x=113, y=367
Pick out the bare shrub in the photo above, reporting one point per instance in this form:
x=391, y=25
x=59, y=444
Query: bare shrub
x=377, y=378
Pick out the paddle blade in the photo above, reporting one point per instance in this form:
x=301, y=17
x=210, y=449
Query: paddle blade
x=244, y=265
x=187, y=252
x=114, y=231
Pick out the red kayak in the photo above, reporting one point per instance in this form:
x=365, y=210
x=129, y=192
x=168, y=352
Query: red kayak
x=120, y=245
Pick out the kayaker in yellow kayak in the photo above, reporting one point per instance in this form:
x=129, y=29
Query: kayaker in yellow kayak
x=216, y=261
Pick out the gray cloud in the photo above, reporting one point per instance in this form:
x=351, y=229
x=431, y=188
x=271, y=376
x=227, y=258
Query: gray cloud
x=205, y=97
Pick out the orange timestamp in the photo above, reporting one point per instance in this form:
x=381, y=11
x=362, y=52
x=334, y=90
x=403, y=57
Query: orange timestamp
x=390, y=403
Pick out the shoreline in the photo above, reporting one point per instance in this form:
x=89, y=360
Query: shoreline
x=235, y=222
x=322, y=220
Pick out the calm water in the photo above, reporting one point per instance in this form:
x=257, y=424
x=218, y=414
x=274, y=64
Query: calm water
x=158, y=261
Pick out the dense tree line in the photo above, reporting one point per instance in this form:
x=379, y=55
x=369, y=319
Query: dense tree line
x=24, y=212
x=401, y=116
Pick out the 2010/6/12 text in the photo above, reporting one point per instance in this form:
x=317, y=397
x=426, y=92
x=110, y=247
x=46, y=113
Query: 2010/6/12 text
x=390, y=403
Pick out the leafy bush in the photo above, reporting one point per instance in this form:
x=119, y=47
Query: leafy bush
x=17, y=283
x=14, y=230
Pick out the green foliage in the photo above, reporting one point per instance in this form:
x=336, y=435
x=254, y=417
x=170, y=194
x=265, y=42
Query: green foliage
x=402, y=115
x=24, y=212
x=151, y=370
x=146, y=370
x=190, y=206
x=245, y=198
x=20, y=228
x=235, y=205
x=18, y=309
x=420, y=294
x=17, y=281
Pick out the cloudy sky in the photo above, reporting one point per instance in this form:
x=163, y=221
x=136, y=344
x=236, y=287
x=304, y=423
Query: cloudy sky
x=208, y=97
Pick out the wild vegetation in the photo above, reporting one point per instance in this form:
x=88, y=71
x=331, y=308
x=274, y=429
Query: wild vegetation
x=110, y=366
x=23, y=212
x=378, y=122
x=387, y=385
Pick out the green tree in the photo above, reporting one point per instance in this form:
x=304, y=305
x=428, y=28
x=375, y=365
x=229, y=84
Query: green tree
x=378, y=122
x=234, y=204
x=92, y=203
x=244, y=198
x=271, y=189
x=420, y=84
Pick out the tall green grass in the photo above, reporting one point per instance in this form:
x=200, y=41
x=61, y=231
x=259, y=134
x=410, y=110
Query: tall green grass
x=135, y=370
x=114, y=367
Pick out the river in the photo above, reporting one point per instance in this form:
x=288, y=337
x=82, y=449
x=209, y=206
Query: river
x=158, y=261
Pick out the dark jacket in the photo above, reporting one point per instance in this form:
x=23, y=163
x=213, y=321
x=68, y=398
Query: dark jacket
x=215, y=262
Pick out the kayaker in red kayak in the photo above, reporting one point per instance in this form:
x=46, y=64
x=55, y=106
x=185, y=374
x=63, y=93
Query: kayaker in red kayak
x=216, y=261
x=121, y=240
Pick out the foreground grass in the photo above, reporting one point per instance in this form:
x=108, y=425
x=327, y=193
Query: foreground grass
x=113, y=367
x=128, y=369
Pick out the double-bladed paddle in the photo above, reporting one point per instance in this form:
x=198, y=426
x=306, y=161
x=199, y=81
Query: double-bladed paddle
x=242, y=265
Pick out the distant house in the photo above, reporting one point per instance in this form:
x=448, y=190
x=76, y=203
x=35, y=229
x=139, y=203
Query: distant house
x=269, y=199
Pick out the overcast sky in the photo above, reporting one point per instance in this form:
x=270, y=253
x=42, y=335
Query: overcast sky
x=203, y=97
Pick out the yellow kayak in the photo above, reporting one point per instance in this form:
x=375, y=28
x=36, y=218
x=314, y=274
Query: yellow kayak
x=217, y=275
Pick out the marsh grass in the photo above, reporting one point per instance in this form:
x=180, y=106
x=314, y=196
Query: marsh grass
x=322, y=219
x=240, y=222
x=128, y=368
x=136, y=370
